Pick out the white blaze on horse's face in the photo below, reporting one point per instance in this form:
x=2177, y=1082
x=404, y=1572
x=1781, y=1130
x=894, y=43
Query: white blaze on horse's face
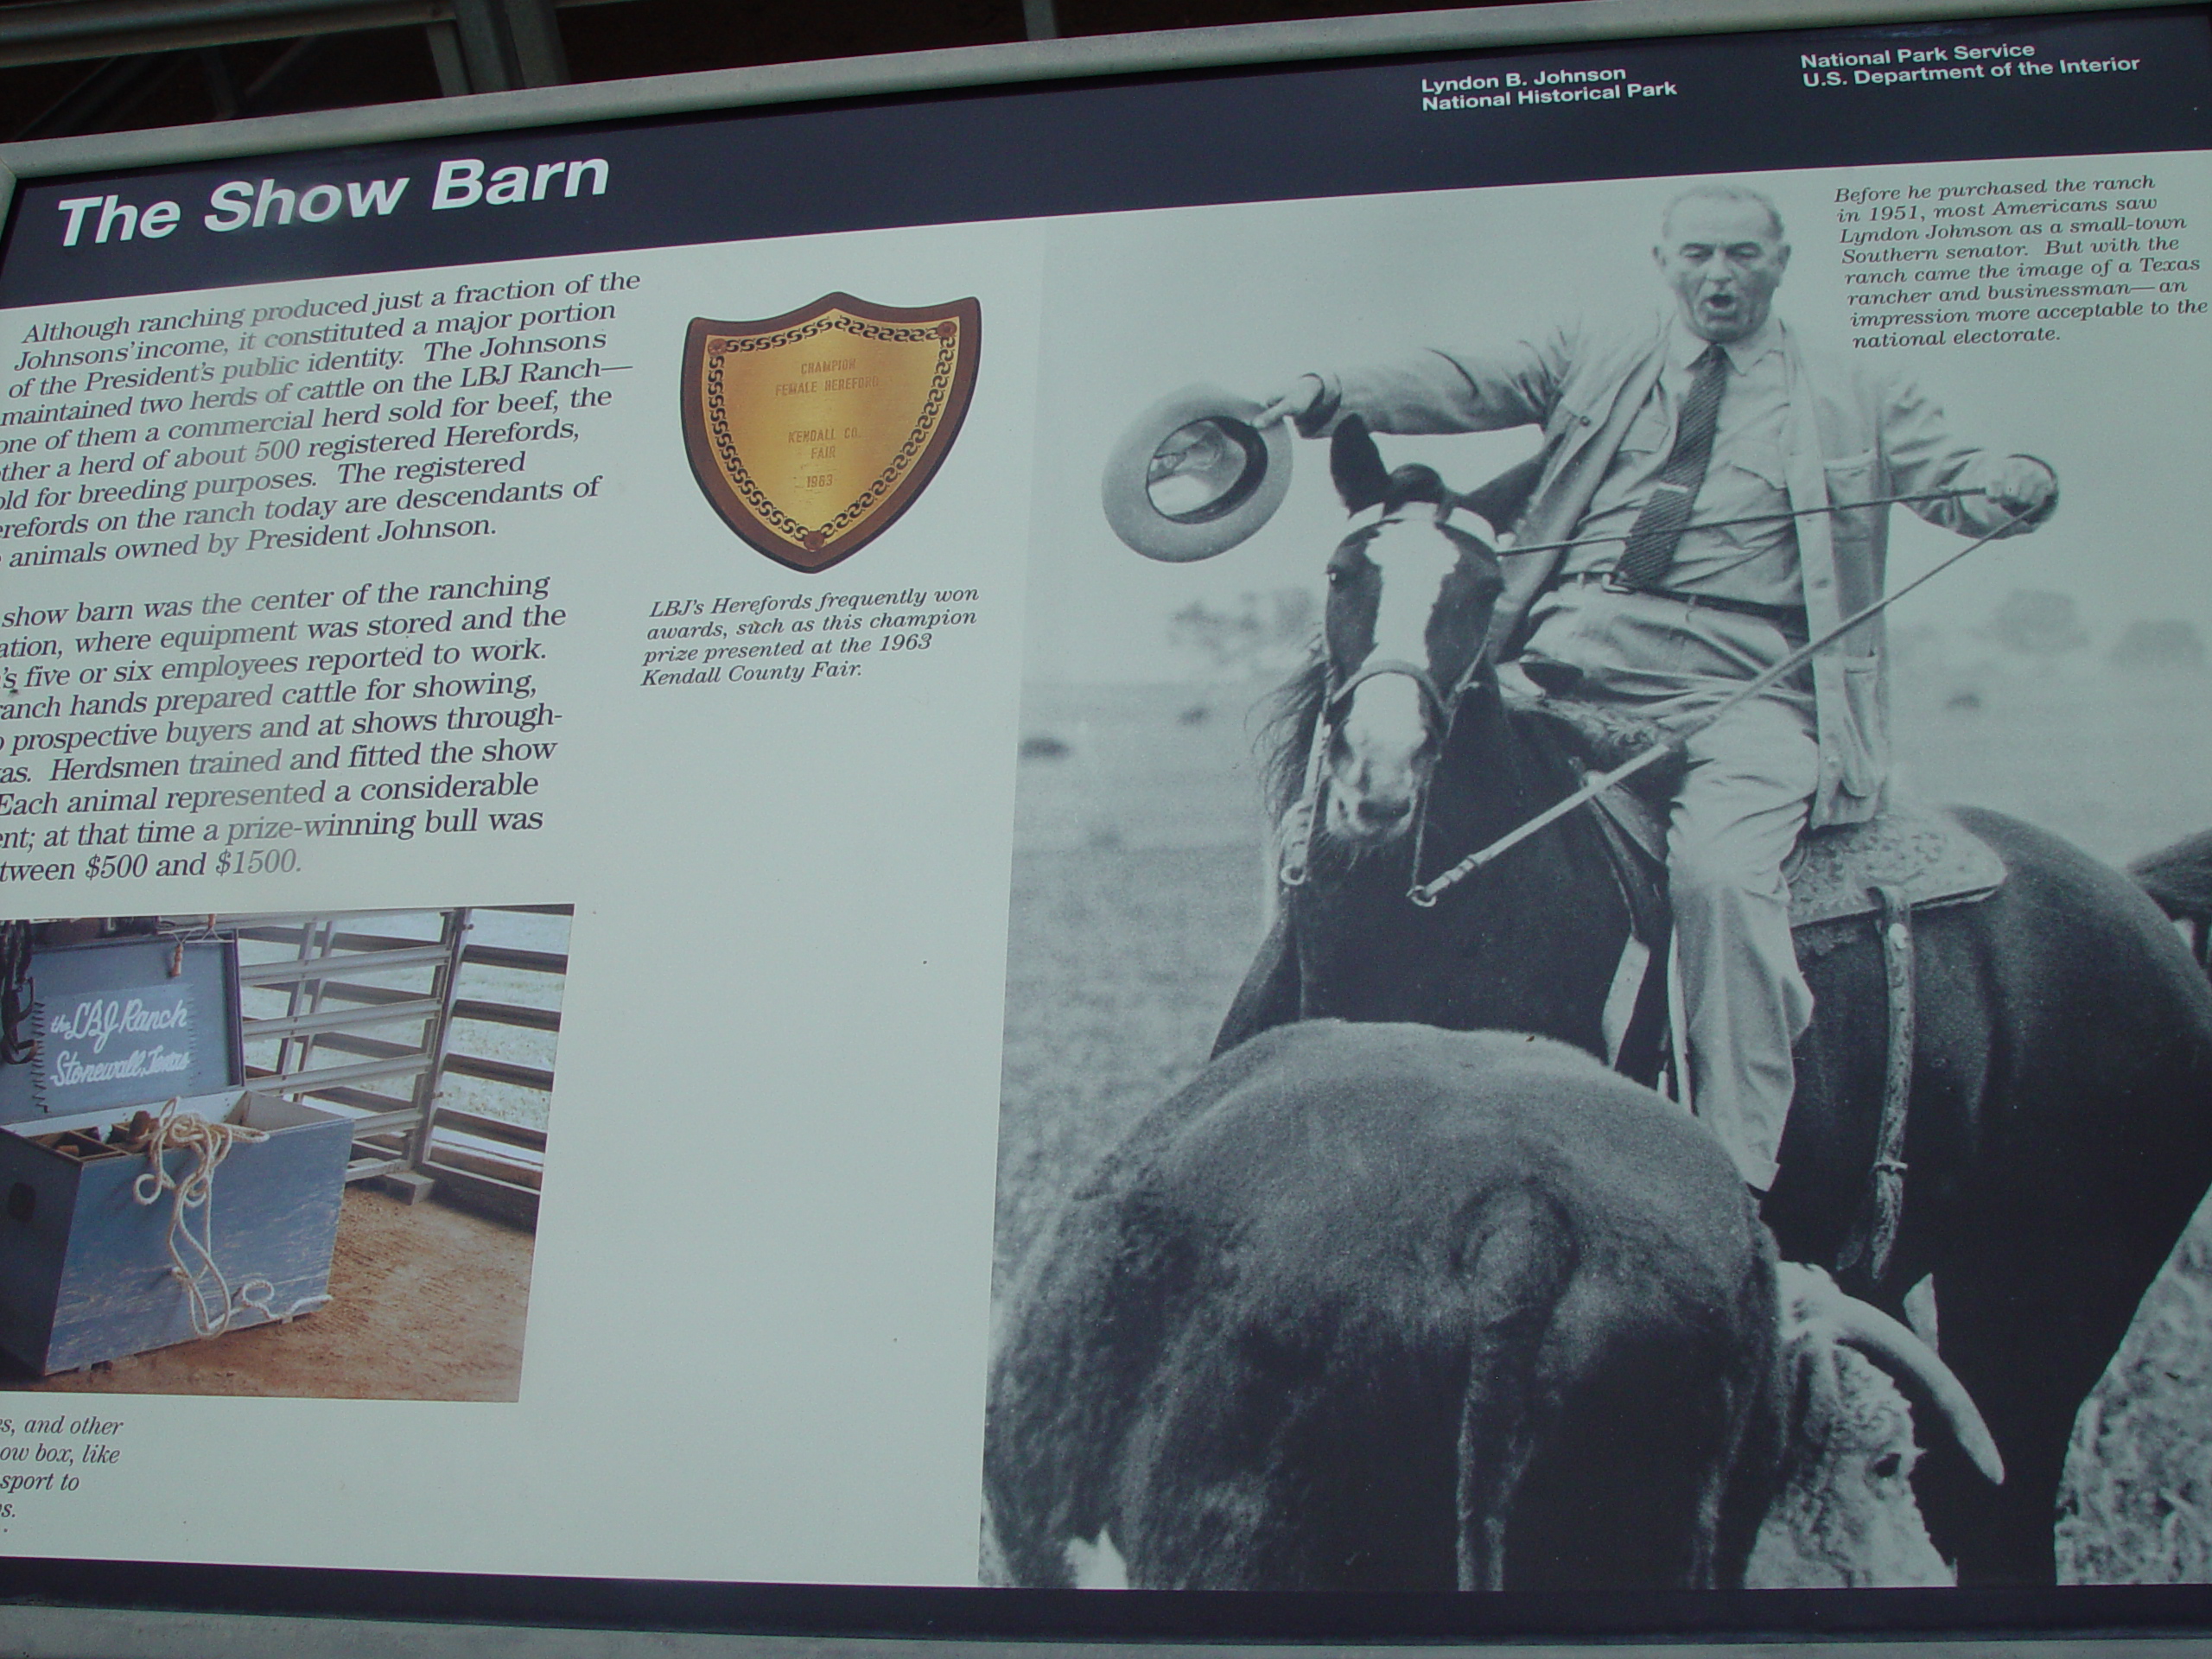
x=1404, y=617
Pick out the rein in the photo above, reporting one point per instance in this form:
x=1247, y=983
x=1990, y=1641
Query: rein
x=1302, y=821
x=1755, y=519
x=1425, y=893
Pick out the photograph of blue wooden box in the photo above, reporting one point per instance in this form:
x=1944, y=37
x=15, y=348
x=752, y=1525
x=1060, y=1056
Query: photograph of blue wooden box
x=98, y=1256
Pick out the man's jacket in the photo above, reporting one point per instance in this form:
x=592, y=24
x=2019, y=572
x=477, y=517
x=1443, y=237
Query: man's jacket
x=1855, y=433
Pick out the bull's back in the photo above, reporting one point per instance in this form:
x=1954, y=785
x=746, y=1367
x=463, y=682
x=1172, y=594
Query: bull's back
x=1339, y=1313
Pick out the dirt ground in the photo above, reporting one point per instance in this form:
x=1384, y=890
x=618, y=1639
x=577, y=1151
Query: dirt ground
x=428, y=1302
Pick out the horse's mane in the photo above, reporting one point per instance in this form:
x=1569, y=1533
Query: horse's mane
x=1287, y=731
x=1415, y=482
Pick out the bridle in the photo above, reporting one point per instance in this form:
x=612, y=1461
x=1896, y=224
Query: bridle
x=1441, y=706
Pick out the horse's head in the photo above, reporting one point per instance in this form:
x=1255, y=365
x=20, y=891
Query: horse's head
x=1411, y=590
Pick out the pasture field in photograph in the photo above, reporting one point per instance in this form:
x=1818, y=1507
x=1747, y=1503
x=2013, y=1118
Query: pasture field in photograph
x=1138, y=899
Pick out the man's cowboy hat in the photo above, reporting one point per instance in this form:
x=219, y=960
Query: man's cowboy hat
x=1193, y=476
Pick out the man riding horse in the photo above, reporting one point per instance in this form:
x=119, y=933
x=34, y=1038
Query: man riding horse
x=1705, y=468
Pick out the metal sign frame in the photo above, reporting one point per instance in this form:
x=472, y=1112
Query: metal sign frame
x=817, y=1610
x=1551, y=23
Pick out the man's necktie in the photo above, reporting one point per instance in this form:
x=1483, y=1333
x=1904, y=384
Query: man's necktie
x=1652, y=539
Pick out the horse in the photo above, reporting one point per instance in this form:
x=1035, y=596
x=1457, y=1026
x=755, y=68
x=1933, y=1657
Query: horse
x=2058, y=1137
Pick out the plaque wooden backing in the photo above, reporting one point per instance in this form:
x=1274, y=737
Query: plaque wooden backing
x=741, y=516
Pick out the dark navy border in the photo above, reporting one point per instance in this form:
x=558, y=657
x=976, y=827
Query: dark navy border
x=1074, y=1615
x=1166, y=140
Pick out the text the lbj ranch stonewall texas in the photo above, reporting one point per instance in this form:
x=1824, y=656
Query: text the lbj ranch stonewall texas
x=1508, y=87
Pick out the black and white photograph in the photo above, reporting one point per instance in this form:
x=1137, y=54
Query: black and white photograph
x=1606, y=985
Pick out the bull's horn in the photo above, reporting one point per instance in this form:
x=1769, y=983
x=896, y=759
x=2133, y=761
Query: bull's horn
x=1193, y=476
x=1874, y=1333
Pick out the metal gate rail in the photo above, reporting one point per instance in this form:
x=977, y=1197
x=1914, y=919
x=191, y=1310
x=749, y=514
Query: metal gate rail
x=334, y=1009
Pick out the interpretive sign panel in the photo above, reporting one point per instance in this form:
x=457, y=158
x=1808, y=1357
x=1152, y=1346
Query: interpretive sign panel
x=1387, y=826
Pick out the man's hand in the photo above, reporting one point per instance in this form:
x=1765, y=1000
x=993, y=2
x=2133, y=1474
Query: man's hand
x=2023, y=488
x=1292, y=403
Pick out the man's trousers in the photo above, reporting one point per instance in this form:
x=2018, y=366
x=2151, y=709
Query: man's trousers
x=1737, y=816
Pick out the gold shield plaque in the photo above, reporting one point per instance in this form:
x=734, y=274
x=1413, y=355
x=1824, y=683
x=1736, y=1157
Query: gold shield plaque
x=811, y=432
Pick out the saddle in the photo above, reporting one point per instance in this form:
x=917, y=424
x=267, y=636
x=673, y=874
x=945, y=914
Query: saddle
x=1919, y=852
x=1909, y=857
